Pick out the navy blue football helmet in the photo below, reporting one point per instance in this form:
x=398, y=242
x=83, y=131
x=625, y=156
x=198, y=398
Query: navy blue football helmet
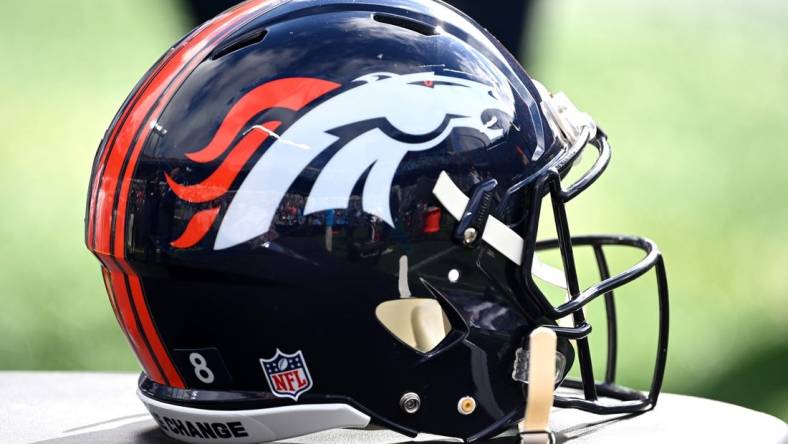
x=313, y=214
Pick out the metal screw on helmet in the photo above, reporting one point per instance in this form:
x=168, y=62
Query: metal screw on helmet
x=466, y=405
x=410, y=402
x=470, y=235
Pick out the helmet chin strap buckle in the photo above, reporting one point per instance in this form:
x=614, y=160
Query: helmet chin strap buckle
x=471, y=226
x=534, y=429
x=477, y=224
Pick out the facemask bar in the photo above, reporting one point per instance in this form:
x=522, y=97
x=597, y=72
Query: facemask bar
x=539, y=186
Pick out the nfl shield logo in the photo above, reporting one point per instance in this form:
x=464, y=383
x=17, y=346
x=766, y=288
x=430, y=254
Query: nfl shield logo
x=287, y=375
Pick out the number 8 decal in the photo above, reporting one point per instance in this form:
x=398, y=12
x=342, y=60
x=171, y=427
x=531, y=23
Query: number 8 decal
x=201, y=369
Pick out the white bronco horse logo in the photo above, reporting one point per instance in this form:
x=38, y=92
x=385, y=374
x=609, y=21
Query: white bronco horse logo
x=403, y=101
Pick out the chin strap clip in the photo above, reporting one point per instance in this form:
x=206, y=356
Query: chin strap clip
x=488, y=229
x=534, y=429
x=470, y=228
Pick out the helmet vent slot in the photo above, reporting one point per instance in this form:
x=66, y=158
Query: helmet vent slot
x=248, y=39
x=404, y=22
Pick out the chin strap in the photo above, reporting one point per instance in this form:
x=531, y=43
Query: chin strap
x=534, y=429
x=496, y=234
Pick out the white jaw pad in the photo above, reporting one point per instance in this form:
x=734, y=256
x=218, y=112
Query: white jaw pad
x=497, y=235
x=250, y=426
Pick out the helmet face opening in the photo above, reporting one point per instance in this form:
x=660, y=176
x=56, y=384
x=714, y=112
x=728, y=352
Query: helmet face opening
x=327, y=211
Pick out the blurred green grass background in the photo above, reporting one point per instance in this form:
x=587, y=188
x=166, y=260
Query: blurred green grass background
x=692, y=94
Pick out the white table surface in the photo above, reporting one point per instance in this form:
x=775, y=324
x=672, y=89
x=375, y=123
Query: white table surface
x=64, y=407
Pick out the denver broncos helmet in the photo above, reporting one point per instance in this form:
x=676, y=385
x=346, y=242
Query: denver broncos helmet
x=317, y=214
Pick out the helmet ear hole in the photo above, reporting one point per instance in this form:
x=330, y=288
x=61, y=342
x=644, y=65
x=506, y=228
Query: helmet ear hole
x=419, y=323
